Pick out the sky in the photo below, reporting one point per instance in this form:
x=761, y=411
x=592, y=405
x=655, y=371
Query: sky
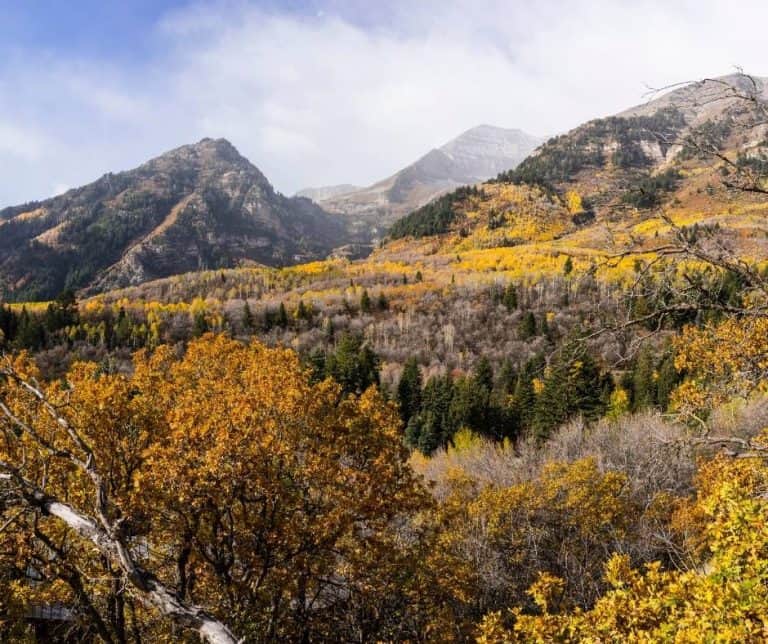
x=320, y=92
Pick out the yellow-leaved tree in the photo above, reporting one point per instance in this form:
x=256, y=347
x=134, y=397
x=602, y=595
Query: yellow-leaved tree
x=723, y=597
x=218, y=492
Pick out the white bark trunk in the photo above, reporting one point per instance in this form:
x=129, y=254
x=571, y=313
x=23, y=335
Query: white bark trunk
x=151, y=590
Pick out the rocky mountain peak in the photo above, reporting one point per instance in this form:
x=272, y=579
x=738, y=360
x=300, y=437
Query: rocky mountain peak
x=197, y=206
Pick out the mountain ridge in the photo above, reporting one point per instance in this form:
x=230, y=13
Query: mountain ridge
x=200, y=205
x=475, y=155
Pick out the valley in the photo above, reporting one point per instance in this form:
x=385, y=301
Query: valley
x=515, y=392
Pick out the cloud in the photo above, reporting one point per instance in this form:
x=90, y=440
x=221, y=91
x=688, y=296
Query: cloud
x=21, y=143
x=344, y=93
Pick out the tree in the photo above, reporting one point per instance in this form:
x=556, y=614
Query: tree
x=354, y=365
x=644, y=380
x=223, y=479
x=483, y=374
x=365, y=302
x=303, y=312
x=281, y=319
x=568, y=266
x=527, y=326
x=524, y=399
x=248, y=321
x=409, y=390
x=573, y=385
x=720, y=597
x=510, y=297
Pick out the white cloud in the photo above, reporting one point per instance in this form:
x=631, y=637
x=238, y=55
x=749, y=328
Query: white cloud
x=21, y=143
x=331, y=98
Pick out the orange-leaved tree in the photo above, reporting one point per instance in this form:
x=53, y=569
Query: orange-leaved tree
x=217, y=492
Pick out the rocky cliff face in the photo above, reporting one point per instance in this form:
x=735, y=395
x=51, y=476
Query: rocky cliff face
x=475, y=155
x=199, y=206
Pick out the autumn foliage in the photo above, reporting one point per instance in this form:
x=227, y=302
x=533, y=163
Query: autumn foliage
x=282, y=505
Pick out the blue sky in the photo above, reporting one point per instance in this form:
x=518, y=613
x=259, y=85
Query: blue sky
x=319, y=92
x=108, y=28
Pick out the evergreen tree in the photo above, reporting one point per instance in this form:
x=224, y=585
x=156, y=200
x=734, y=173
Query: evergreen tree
x=527, y=327
x=353, y=365
x=413, y=432
x=317, y=361
x=409, y=390
x=643, y=381
x=525, y=396
x=303, y=312
x=510, y=297
x=574, y=385
x=282, y=317
x=469, y=406
x=200, y=325
x=328, y=330
x=9, y=324
x=507, y=378
x=568, y=266
x=430, y=434
x=667, y=381
x=122, y=329
x=365, y=302
x=544, y=327
x=483, y=374
x=30, y=333
x=436, y=399
x=248, y=322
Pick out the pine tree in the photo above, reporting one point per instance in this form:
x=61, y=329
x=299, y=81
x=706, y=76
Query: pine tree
x=328, y=330
x=568, y=266
x=247, y=319
x=353, y=365
x=409, y=390
x=574, y=385
x=30, y=334
x=667, y=381
x=413, y=432
x=122, y=329
x=483, y=374
x=282, y=317
x=643, y=382
x=507, y=377
x=430, y=434
x=303, y=312
x=200, y=325
x=510, y=297
x=527, y=327
x=365, y=302
x=524, y=399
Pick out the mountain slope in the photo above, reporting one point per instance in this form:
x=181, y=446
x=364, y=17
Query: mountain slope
x=199, y=206
x=673, y=137
x=475, y=155
x=327, y=192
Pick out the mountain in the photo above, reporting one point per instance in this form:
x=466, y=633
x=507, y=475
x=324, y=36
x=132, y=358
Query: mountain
x=640, y=156
x=198, y=206
x=699, y=154
x=326, y=192
x=475, y=155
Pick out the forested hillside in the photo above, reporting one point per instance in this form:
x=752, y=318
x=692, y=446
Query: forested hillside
x=199, y=206
x=535, y=413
